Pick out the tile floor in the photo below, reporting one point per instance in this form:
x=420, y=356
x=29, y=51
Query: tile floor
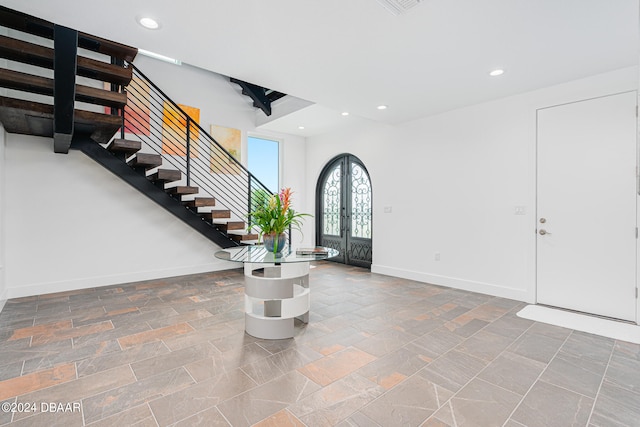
x=379, y=351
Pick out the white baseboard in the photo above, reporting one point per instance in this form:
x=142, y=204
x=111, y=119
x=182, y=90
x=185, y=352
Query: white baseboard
x=456, y=283
x=610, y=328
x=93, y=282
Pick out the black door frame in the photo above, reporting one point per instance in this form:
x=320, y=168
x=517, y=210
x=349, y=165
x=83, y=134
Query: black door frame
x=356, y=251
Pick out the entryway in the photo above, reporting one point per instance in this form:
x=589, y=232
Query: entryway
x=344, y=210
x=586, y=210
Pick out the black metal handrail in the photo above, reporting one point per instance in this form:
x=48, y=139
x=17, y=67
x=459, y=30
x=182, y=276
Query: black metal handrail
x=165, y=128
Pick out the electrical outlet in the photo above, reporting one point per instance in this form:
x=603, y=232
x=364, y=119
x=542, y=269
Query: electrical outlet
x=387, y=209
x=520, y=210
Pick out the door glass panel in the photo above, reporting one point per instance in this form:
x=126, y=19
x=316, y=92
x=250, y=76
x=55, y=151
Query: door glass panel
x=331, y=203
x=360, y=202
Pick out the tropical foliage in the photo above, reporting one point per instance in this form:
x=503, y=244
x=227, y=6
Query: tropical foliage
x=273, y=214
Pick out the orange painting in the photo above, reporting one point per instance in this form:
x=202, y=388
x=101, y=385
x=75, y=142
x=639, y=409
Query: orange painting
x=230, y=140
x=174, y=130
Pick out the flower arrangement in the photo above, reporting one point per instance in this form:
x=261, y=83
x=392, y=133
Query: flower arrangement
x=273, y=214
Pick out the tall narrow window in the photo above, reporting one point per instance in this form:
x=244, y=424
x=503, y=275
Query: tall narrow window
x=263, y=161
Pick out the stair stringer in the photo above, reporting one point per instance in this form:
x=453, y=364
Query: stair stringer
x=137, y=180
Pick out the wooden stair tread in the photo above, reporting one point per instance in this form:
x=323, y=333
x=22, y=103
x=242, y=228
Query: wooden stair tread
x=37, y=26
x=182, y=190
x=100, y=126
x=30, y=53
x=167, y=175
x=124, y=146
x=146, y=160
x=35, y=118
x=226, y=225
x=36, y=84
x=216, y=214
x=250, y=241
x=243, y=236
x=200, y=202
x=221, y=213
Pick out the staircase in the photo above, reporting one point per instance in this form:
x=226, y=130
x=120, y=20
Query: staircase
x=128, y=125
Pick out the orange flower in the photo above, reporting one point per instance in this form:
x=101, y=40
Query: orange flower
x=285, y=198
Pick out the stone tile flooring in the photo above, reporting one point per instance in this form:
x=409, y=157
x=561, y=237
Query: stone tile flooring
x=378, y=351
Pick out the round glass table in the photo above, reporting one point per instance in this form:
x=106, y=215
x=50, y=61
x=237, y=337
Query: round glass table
x=276, y=290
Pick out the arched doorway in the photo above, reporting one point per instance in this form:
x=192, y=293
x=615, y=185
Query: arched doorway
x=344, y=210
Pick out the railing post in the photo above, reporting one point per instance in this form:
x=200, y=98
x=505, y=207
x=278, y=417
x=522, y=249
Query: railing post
x=188, y=150
x=118, y=88
x=65, y=58
x=124, y=119
x=249, y=207
x=123, y=124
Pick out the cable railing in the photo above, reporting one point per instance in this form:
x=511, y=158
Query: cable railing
x=165, y=128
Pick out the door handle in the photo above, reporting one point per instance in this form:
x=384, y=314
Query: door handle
x=543, y=232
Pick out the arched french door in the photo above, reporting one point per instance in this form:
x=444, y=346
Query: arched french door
x=344, y=210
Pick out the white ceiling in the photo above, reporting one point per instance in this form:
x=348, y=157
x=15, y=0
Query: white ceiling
x=352, y=55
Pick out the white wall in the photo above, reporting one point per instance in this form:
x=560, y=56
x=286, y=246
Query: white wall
x=453, y=181
x=71, y=224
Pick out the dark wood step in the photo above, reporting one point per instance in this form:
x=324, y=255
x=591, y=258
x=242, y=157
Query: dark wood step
x=30, y=24
x=244, y=236
x=35, y=118
x=124, y=146
x=101, y=127
x=181, y=190
x=30, y=53
x=200, y=202
x=145, y=160
x=221, y=213
x=166, y=175
x=216, y=214
x=230, y=225
x=35, y=84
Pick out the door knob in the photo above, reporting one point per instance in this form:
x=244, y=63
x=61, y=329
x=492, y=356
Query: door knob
x=543, y=232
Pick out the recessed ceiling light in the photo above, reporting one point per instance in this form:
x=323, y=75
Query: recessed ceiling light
x=149, y=23
x=496, y=72
x=382, y=107
x=346, y=113
x=301, y=127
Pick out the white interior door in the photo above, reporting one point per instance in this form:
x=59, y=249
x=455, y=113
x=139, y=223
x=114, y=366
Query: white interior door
x=586, y=241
